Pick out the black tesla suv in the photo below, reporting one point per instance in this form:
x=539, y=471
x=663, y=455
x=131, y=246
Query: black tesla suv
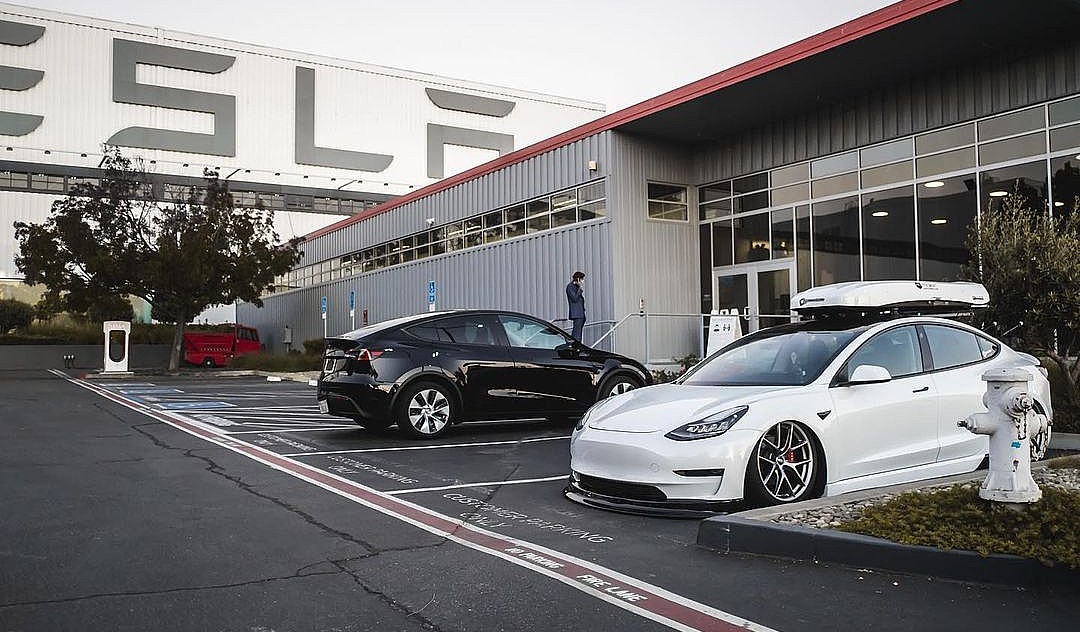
x=430, y=371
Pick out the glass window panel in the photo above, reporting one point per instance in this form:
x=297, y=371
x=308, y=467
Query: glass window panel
x=836, y=240
x=493, y=234
x=515, y=229
x=721, y=243
x=667, y=192
x=945, y=139
x=474, y=239
x=751, y=233
x=437, y=247
x=887, y=174
x=1065, y=138
x=472, y=225
x=946, y=208
x=791, y=194
x=714, y=191
x=944, y=163
x=1012, y=123
x=889, y=152
x=790, y=175
x=1013, y=148
x=592, y=211
x=14, y=180
x=747, y=184
x=537, y=207
x=493, y=219
x=712, y=210
x=802, y=248
x=564, y=217
x=835, y=185
x=667, y=210
x=834, y=164
x=888, y=239
x=951, y=347
x=1065, y=111
x=750, y=202
x=705, y=266
x=515, y=213
x=1028, y=181
x=563, y=200
x=783, y=233
x=537, y=223
x=1065, y=184
x=591, y=192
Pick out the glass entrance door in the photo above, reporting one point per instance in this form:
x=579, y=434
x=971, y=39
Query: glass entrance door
x=761, y=292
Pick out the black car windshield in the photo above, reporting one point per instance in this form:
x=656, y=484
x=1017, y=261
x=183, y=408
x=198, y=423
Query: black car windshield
x=780, y=356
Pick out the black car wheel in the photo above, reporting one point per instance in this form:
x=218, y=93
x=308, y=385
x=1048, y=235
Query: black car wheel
x=425, y=409
x=616, y=385
x=784, y=466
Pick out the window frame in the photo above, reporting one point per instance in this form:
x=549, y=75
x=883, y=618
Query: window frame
x=685, y=204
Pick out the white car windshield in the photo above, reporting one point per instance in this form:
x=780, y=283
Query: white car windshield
x=780, y=356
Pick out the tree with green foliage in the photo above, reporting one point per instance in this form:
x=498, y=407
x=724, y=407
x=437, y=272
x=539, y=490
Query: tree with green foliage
x=14, y=314
x=113, y=238
x=1030, y=264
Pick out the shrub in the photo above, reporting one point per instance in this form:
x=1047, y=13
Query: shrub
x=315, y=346
x=660, y=376
x=956, y=518
x=284, y=363
x=15, y=314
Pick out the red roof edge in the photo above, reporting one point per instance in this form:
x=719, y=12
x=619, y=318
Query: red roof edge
x=854, y=29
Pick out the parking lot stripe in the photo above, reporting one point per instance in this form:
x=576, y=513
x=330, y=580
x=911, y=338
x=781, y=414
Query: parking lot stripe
x=429, y=447
x=630, y=594
x=491, y=484
x=326, y=429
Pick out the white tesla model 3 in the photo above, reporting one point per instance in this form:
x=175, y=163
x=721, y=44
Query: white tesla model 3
x=858, y=397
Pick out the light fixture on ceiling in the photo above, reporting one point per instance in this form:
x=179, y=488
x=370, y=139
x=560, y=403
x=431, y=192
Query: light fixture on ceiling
x=277, y=173
x=998, y=193
x=935, y=184
x=185, y=164
x=879, y=214
x=938, y=221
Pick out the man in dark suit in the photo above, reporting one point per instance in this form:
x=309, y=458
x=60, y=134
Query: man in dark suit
x=576, y=299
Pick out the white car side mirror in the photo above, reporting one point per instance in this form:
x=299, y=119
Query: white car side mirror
x=869, y=374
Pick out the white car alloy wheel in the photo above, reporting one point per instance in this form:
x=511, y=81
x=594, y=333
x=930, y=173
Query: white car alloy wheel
x=428, y=411
x=784, y=462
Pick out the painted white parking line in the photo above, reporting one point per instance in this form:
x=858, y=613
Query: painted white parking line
x=429, y=447
x=490, y=484
x=631, y=594
x=326, y=429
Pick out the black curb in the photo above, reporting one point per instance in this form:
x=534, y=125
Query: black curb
x=735, y=534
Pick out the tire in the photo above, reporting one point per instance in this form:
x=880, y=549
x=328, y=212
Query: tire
x=616, y=385
x=784, y=466
x=425, y=410
x=208, y=363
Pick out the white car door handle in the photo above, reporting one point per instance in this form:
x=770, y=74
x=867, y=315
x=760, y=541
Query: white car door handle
x=920, y=390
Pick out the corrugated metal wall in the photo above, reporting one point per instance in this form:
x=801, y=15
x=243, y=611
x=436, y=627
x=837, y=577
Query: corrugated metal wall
x=558, y=169
x=653, y=260
x=952, y=96
x=19, y=207
x=527, y=274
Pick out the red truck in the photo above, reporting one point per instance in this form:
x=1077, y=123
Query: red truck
x=218, y=346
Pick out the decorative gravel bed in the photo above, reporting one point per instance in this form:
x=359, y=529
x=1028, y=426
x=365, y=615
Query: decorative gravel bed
x=1065, y=478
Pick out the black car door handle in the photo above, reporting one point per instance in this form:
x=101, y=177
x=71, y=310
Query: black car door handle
x=921, y=390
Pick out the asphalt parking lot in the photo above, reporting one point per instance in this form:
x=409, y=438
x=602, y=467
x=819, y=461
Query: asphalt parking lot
x=237, y=476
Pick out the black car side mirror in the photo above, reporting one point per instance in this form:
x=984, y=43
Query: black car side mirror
x=568, y=350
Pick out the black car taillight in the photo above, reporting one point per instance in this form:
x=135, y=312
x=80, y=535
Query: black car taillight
x=359, y=360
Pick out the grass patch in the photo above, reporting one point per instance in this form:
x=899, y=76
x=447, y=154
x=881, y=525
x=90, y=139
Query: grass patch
x=956, y=518
x=283, y=363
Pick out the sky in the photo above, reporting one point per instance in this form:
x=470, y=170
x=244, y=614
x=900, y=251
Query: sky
x=612, y=52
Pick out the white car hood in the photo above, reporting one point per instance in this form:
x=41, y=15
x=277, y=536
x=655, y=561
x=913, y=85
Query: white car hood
x=668, y=406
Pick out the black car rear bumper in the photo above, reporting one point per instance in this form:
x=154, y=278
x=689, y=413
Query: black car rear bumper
x=357, y=396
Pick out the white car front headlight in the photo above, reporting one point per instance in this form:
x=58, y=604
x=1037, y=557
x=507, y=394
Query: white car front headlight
x=712, y=426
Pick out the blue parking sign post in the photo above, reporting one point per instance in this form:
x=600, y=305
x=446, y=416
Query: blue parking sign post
x=324, y=306
x=352, y=307
x=431, y=296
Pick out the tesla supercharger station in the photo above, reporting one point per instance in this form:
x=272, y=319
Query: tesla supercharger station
x=1010, y=421
x=117, y=343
